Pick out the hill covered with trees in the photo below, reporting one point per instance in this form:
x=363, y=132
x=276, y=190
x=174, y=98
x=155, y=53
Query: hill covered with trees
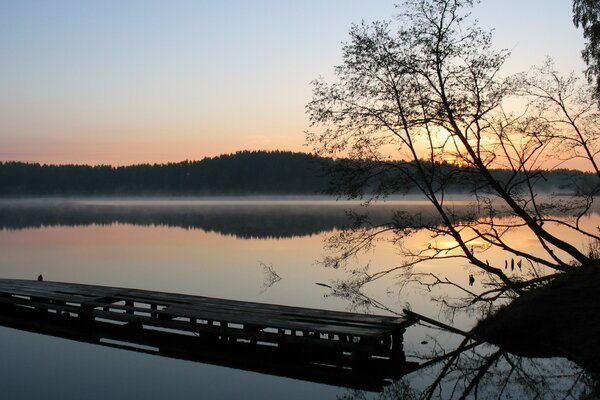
x=245, y=172
x=241, y=173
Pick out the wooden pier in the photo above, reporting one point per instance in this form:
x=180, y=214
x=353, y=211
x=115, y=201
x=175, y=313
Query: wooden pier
x=340, y=348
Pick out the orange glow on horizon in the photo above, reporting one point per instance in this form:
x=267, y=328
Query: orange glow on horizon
x=142, y=148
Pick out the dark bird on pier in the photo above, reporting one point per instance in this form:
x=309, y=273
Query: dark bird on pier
x=471, y=279
x=40, y=277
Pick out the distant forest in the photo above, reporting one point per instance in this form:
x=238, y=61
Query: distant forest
x=241, y=173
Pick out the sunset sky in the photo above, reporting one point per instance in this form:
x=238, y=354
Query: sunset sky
x=122, y=82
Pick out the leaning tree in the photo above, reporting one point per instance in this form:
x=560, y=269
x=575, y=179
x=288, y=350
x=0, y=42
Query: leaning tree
x=420, y=102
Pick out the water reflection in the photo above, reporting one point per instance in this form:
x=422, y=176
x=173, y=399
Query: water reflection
x=222, y=252
x=471, y=370
x=241, y=219
x=486, y=372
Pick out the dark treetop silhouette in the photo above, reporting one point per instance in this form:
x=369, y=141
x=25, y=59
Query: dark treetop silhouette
x=245, y=172
x=242, y=173
x=586, y=13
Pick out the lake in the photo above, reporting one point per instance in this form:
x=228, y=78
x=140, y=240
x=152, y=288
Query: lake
x=228, y=249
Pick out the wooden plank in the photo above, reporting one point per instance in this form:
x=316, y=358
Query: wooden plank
x=47, y=294
x=211, y=330
x=264, y=321
x=242, y=306
x=249, y=314
x=251, y=306
x=284, y=312
x=59, y=287
x=188, y=326
x=141, y=295
x=258, y=317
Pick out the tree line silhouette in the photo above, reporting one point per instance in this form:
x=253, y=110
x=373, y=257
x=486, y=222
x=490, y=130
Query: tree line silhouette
x=241, y=173
x=245, y=172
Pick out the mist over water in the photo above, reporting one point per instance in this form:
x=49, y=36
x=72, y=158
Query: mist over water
x=240, y=217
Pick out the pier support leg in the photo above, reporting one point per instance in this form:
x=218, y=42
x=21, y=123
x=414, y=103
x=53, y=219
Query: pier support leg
x=129, y=303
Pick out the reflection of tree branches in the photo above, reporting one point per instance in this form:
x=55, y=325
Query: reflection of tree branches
x=398, y=390
x=487, y=298
x=474, y=383
x=473, y=370
x=499, y=372
x=351, y=287
x=271, y=277
x=435, y=385
x=527, y=270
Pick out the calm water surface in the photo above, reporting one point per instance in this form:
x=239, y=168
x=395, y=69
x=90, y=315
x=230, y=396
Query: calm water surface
x=208, y=248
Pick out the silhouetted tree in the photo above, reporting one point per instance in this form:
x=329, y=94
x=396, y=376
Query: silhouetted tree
x=586, y=13
x=428, y=90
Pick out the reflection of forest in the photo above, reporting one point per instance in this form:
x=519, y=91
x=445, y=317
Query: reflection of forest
x=240, y=219
x=278, y=220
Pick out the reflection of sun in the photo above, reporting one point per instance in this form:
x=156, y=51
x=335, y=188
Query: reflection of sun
x=450, y=245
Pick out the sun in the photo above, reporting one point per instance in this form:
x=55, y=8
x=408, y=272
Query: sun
x=455, y=161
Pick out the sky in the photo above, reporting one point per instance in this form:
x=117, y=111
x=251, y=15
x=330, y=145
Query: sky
x=146, y=81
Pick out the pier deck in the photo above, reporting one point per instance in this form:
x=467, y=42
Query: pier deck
x=342, y=348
